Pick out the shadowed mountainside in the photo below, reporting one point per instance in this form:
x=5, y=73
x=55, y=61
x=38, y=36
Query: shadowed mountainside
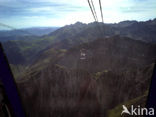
x=114, y=70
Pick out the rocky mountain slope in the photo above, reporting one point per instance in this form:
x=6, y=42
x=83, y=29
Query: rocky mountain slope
x=114, y=70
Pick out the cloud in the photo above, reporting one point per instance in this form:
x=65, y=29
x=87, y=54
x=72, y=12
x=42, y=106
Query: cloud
x=138, y=6
x=60, y=12
x=23, y=7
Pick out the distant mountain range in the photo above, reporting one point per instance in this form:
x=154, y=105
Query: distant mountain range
x=74, y=34
x=144, y=31
x=6, y=35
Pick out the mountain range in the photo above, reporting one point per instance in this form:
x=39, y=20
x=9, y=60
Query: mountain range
x=78, y=33
x=84, y=70
x=19, y=34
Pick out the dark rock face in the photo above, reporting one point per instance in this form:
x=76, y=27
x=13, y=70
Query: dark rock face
x=113, y=71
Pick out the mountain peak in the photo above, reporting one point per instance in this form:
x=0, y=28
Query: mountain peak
x=78, y=23
x=126, y=23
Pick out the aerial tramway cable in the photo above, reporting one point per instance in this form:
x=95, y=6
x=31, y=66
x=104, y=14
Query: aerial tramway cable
x=12, y=28
x=101, y=10
x=92, y=10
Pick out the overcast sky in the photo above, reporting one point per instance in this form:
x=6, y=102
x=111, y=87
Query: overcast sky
x=32, y=13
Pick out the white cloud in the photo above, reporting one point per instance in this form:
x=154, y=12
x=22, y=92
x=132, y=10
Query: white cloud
x=41, y=9
x=62, y=12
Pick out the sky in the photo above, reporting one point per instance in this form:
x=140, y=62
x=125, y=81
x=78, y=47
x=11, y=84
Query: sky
x=34, y=13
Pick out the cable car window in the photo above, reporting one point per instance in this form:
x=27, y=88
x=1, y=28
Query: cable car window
x=79, y=58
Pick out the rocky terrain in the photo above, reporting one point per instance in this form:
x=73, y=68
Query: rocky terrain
x=87, y=80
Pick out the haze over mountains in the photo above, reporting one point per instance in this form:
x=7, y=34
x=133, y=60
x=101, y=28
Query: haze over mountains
x=84, y=70
x=17, y=34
